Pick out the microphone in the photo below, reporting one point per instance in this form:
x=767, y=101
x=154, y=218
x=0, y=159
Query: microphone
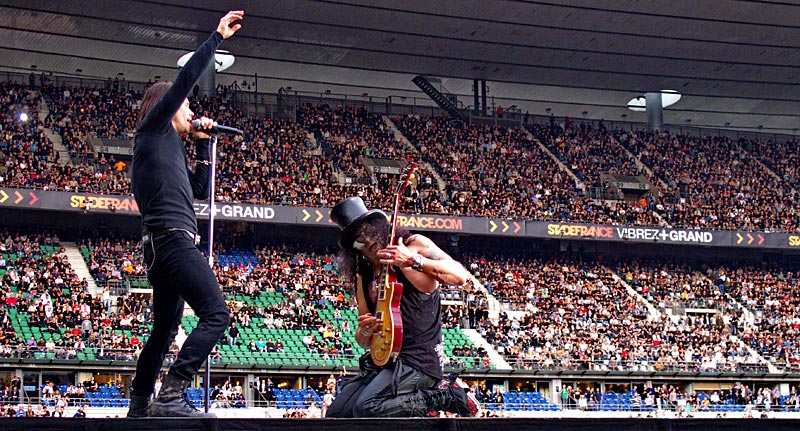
x=217, y=129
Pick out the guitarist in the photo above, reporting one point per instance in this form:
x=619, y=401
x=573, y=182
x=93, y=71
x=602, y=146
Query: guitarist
x=408, y=386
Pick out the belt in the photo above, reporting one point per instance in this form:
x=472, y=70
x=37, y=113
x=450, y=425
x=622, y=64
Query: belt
x=153, y=234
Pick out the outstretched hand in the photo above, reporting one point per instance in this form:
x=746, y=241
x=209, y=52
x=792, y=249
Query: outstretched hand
x=225, y=28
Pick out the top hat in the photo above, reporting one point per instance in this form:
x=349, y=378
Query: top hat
x=349, y=214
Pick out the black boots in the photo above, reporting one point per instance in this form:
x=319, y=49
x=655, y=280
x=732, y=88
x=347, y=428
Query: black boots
x=453, y=399
x=462, y=401
x=171, y=401
x=140, y=406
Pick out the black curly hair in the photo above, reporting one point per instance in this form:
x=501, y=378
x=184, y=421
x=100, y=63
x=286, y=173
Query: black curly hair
x=352, y=262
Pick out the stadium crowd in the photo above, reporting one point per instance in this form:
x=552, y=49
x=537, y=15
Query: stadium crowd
x=488, y=171
x=576, y=315
x=568, y=312
x=713, y=182
x=769, y=294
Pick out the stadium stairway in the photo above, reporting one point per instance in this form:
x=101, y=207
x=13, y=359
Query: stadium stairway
x=639, y=164
x=79, y=266
x=55, y=138
x=497, y=359
x=42, y=109
x=771, y=366
x=757, y=160
x=58, y=145
x=440, y=183
x=651, y=309
x=547, y=151
x=491, y=302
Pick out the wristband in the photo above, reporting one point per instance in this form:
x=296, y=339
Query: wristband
x=417, y=264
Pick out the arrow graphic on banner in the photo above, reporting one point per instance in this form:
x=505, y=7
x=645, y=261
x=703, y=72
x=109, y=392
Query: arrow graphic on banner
x=760, y=239
x=505, y=226
x=517, y=227
x=33, y=198
x=319, y=216
x=739, y=241
x=751, y=238
x=19, y=198
x=3, y=196
x=307, y=215
x=493, y=224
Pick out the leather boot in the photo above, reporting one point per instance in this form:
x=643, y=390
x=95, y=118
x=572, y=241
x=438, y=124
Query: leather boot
x=172, y=402
x=462, y=401
x=140, y=406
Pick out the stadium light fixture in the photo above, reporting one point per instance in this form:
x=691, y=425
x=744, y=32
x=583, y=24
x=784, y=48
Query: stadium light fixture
x=637, y=104
x=668, y=98
x=222, y=60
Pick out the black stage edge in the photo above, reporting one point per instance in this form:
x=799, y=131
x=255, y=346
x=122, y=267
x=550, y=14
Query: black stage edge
x=440, y=424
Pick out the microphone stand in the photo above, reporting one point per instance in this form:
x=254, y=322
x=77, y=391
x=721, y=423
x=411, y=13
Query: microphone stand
x=211, y=212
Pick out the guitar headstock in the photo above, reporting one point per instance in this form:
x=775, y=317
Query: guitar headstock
x=407, y=173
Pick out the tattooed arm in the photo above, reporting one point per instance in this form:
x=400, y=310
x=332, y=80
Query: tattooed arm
x=435, y=266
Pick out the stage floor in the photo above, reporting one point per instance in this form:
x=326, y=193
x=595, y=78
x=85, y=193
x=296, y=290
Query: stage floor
x=436, y=424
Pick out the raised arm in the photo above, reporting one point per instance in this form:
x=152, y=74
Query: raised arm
x=160, y=117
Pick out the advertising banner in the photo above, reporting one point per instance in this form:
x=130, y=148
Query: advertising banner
x=319, y=216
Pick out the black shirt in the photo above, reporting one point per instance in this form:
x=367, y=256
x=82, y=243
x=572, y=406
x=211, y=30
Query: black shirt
x=422, y=326
x=162, y=183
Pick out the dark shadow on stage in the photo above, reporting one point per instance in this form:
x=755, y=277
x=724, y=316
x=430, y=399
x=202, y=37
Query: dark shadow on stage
x=437, y=424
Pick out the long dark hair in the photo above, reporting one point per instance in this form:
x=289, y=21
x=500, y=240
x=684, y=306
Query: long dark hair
x=151, y=96
x=352, y=262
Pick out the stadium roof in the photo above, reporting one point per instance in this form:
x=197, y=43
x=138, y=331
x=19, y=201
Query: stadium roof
x=734, y=62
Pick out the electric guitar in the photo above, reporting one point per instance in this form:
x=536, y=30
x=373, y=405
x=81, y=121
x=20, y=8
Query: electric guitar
x=385, y=344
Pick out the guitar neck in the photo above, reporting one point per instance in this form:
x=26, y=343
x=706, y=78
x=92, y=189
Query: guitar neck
x=394, y=217
x=408, y=172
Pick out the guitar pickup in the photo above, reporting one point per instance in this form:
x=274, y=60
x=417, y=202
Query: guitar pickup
x=379, y=314
x=382, y=295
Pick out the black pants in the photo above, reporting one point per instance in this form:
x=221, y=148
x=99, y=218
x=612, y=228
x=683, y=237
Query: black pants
x=178, y=272
x=394, y=391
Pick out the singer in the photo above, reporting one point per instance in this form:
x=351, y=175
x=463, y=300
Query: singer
x=164, y=188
